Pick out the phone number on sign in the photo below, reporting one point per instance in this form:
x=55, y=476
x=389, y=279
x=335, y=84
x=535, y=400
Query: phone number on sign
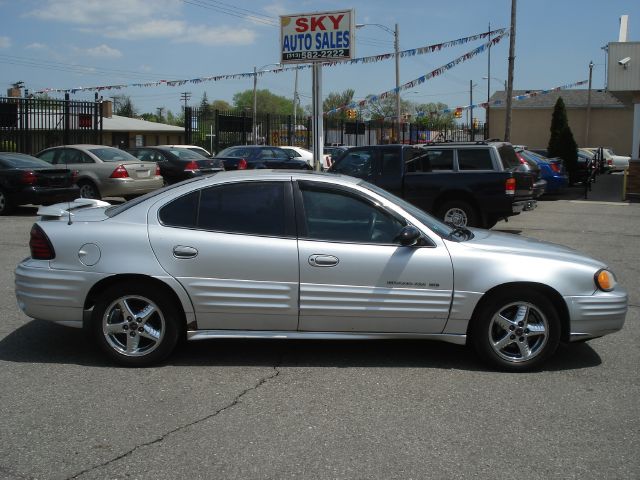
x=319, y=54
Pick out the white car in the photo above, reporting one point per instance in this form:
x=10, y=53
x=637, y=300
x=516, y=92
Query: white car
x=300, y=153
x=613, y=162
x=193, y=148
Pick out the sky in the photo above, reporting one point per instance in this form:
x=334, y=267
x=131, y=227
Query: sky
x=65, y=44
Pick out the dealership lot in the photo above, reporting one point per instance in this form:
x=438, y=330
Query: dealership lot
x=271, y=409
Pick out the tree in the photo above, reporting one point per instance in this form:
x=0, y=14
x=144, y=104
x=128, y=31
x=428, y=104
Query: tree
x=433, y=118
x=561, y=141
x=123, y=106
x=205, y=107
x=221, y=105
x=335, y=100
x=177, y=120
x=266, y=102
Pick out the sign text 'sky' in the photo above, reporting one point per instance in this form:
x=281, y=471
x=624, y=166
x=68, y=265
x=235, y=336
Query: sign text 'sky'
x=316, y=37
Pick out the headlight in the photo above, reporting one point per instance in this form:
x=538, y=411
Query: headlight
x=605, y=280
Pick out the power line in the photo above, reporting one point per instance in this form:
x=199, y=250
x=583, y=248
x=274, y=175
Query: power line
x=233, y=12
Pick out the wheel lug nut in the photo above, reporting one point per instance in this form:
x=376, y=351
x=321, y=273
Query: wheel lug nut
x=512, y=337
x=125, y=327
x=512, y=328
x=526, y=330
x=141, y=329
x=520, y=324
x=132, y=333
x=129, y=319
x=522, y=339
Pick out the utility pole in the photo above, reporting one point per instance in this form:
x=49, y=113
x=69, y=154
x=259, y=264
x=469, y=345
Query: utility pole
x=512, y=58
x=471, y=110
x=159, y=114
x=295, y=108
x=488, y=109
x=185, y=97
x=396, y=35
x=586, y=133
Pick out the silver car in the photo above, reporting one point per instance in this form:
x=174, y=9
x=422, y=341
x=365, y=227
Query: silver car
x=105, y=171
x=282, y=254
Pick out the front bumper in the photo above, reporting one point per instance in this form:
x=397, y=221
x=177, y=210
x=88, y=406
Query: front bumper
x=596, y=315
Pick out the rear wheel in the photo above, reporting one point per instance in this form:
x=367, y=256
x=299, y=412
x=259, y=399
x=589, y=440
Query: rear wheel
x=516, y=330
x=458, y=213
x=88, y=190
x=5, y=203
x=135, y=324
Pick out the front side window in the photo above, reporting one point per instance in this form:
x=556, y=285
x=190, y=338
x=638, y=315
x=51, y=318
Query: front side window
x=339, y=216
x=474, y=159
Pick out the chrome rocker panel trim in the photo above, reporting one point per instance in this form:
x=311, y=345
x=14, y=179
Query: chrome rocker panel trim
x=279, y=335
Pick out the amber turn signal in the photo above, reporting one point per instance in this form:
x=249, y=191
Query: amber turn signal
x=605, y=280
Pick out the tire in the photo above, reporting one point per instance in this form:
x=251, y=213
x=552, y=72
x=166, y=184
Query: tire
x=6, y=205
x=135, y=340
x=458, y=213
x=516, y=330
x=88, y=190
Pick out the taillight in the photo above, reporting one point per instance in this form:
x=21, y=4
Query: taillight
x=157, y=170
x=191, y=166
x=119, y=172
x=39, y=244
x=555, y=167
x=29, y=178
x=610, y=162
x=74, y=176
x=522, y=160
x=242, y=164
x=510, y=186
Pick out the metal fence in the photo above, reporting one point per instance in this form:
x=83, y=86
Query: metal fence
x=216, y=130
x=28, y=125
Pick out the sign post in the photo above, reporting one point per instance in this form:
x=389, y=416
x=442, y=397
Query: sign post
x=316, y=38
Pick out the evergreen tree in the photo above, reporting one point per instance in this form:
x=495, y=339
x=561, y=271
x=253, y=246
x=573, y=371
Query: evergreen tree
x=205, y=107
x=561, y=141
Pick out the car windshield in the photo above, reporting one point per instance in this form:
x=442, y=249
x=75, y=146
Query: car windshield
x=432, y=223
x=18, y=160
x=110, y=154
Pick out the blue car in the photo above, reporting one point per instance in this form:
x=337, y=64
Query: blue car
x=551, y=169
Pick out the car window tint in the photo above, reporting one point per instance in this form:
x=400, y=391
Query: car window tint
x=431, y=160
x=391, y=162
x=358, y=163
x=251, y=207
x=474, y=159
x=341, y=217
x=182, y=212
x=69, y=156
x=110, y=154
x=185, y=154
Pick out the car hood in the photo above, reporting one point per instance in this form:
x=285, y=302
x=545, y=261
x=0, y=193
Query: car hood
x=500, y=242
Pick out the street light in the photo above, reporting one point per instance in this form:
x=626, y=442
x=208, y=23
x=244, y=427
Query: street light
x=497, y=80
x=396, y=46
x=255, y=98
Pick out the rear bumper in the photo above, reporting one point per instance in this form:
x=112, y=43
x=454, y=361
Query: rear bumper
x=41, y=195
x=116, y=187
x=524, y=206
x=596, y=315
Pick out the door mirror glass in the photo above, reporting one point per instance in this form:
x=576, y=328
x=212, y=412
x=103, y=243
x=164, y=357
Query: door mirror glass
x=408, y=236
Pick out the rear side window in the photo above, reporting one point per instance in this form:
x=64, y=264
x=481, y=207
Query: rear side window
x=251, y=208
x=182, y=212
x=358, y=163
x=474, y=159
x=391, y=162
x=431, y=160
x=508, y=157
x=47, y=156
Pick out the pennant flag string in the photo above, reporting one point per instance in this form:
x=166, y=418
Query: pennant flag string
x=500, y=102
x=236, y=76
x=434, y=73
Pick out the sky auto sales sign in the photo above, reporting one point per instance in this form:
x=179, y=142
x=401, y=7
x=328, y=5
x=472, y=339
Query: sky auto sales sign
x=317, y=37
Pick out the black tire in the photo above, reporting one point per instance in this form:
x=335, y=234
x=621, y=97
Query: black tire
x=133, y=340
x=88, y=190
x=458, y=213
x=6, y=205
x=516, y=330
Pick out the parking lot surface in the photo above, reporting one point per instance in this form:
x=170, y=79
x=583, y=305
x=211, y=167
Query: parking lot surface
x=294, y=409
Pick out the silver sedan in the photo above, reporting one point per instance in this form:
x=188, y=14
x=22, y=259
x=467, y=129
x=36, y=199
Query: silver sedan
x=278, y=254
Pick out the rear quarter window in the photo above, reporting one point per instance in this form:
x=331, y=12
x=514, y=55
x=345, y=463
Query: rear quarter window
x=508, y=157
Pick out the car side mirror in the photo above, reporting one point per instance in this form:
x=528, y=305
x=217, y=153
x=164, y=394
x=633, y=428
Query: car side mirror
x=409, y=236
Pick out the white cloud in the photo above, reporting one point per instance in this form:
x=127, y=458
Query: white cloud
x=5, y=42
x=102, y=51
x=217, y=36
x=36, y=46
x=88, y=12
x=277, y=9
x=150, y=29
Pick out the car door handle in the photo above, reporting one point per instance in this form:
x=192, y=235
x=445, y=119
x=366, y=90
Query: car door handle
x=323, y=261
x=182, y=251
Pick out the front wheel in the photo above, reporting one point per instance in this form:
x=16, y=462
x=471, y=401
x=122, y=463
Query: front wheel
x=5, y=203
x=135, y=324
x=516, y=331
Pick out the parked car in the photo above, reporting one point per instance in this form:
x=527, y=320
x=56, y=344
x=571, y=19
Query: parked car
x=299, y=153
x=539, y=183
x=177, y=163
x=584, y=167
x=28, y=180
x=194, y=148
x=612, y=162
x=465, y=184
x=330, y=154
x=551, y=169
x=105, y=171
x=268, y=254
x=245, y=157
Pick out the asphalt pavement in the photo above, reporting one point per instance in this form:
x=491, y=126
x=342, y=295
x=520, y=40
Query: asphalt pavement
x=334, y=410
